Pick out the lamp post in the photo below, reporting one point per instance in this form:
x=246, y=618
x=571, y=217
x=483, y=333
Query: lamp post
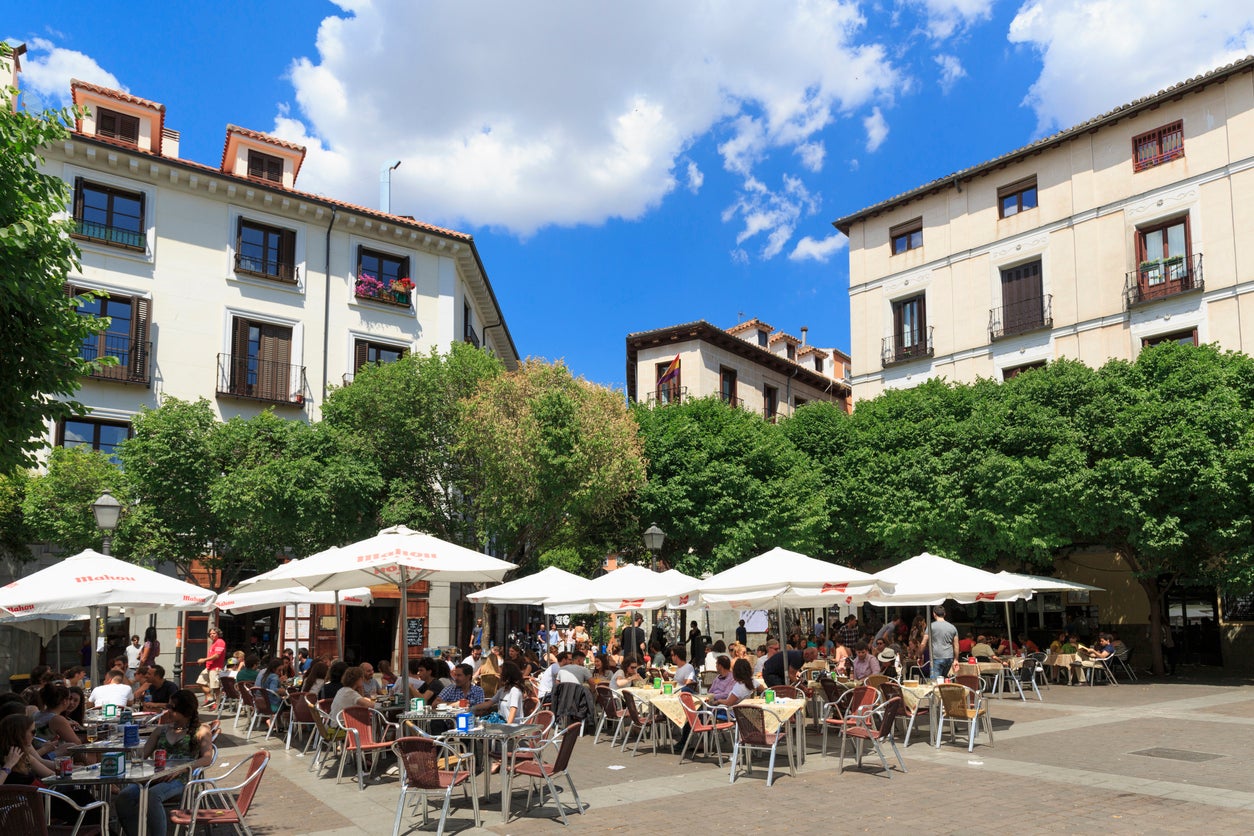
x=107, y=512
x=653, y=538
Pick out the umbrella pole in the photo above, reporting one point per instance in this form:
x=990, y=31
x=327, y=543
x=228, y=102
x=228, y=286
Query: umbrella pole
x=339, y=633
x=91, y=614
x=1010, y=629
x=404, y=639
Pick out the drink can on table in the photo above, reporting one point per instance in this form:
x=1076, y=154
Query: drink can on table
x=159, y=758
x=65, y=767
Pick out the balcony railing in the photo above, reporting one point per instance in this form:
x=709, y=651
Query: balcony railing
x=273, y=270
x=667, y=395
x=471, y=337
x=132, y=356
x=1154, y=280
x=1021, y=317
x=771, y=414
x=242, y=376
x=113, y=235
x=902, y=348
x=731, y=401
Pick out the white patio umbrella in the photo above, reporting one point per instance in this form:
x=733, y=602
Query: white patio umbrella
x=266, y=599
x=1039, y=583
x=628, y=587
x=533, y=589
x=396, y=555
x=782, y=578
x=87, y=581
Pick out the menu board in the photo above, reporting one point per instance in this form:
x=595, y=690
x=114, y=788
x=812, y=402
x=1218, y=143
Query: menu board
x=415, y=632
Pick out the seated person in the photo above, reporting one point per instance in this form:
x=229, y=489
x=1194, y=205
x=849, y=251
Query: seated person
x=888, y=662
x=685, y=674
x=628, y=676
x=1002, y=647
x=461, y=689
x=249, y=671
x=577, y=669
x=53, y=723
x=965, y=645
x=1028, y=645
x=982, y=650
x=742, y=688
x=335, y=680
x=1071, y=644
x=113, y=692
x=864, y=664
x=182, y=736
x=352, y=694
x=153, y=684
x=723, y=683
x=370, y=686
x=22, y=763
x=507, y=703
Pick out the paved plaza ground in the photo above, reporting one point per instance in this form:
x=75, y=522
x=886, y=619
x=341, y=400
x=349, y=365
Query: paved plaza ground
x=1154, y=756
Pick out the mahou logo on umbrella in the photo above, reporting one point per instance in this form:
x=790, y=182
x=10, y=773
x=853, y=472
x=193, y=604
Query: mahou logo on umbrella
x=104, y=578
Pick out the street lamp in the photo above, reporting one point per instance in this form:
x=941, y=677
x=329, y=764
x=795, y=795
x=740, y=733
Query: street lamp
x=653, y=537
x=107, y=511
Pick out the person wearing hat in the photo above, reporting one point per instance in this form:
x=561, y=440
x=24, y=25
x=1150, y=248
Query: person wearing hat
x=864, y=664
x=888, y=661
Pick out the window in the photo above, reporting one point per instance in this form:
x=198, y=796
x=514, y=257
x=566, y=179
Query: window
x=763, y=338
x=791, y=351
x=909, y=326
x=907, y=236
x=1023, y=303
x=667, y=387
x=799, y=402
x=1165, y=260
x=770, y=403
x=1015, y=371
x=265, y=167
x=1183, y=337
x=109, y=216
x=118, y=126
x=1158, y=146
x=382, y=277
x=125, y=338
x=1015, y=198
x=265, y=251
x=366, y=352
x=818, y=364
x=468, y=325
x=727, y=386
x=259, y=365
x=104, y=436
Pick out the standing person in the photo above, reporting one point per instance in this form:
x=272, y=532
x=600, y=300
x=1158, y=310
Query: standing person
x=742, y=634
x=849, y=631
x=476, y=634
x=696, y=642
x=944, y=643
x=152, y=648
x=210, y=679
x=633, y=639
x=133, y=651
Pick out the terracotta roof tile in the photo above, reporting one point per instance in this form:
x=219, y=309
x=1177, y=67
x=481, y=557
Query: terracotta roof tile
x=749, y=323
x=780, y=335
x=77, y=84
x=258, y=135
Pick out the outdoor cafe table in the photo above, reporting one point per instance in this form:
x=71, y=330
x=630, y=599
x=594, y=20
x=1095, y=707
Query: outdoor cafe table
x=141, y=773
x=996, y=669
x=786, y=710
x=509, y=735
x=1063, y=661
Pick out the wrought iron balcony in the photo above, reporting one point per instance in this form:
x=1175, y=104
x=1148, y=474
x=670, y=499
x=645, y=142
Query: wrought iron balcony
x=132, y=356
x=243, y=376
x=1154, y=280
x=471, y=337
x=731, y=401
x=262, y=268
x=112, y=235
x=902, y=348
x=1021, y=317
x=667, y=395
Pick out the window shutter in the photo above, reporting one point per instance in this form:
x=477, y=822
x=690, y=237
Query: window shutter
x=143, y=224
x=360, y=251
x=361, y=353
x=287, y=255
x=78, y=197
x=405, y=268
x=139, y=338
x=239, y=235
x=239, y=338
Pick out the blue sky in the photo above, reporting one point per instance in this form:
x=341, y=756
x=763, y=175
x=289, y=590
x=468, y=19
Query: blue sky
x=627, y=167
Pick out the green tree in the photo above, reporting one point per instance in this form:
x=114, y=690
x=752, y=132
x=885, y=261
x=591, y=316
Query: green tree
x=57, y=505
x=725, y=485
x=403, y=418
x=559, y=461
x=14, y=533
x=43, y=331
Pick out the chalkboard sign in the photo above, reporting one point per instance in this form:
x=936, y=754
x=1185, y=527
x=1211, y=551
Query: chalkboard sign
x=415, y=632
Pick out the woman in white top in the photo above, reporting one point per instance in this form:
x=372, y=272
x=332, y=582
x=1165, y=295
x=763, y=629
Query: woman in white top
x=352, y=694
x=743, y=689
x=508, y=701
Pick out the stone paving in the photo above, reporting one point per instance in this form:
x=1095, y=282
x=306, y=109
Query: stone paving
x=1156, y=756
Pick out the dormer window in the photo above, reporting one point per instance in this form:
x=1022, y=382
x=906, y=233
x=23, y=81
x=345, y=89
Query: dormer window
x=265, y=166
x=117, y=126
x=762, y=338
x=791, y=351
x=818, y=364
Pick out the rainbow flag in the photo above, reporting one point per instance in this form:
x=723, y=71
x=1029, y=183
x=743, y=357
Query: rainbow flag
x=672, y=371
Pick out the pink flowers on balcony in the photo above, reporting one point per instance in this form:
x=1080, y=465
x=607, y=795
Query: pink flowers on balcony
x=394, y=292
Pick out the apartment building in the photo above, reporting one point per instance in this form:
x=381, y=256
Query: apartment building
x=1130, y=229
x=1120, y=232
x=750, y=365
x=224, y=280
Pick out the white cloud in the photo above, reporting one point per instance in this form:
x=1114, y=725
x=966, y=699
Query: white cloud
x=521, y=119
x=812, y=155
x=950, y=71
x=695, y=178
x=945, y=17
x=47, y=70
x=820, y=250
x=1099, y=54
x=876, y=130
x=773, y=213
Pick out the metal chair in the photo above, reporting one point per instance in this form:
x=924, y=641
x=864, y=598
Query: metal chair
x=865, y=727
x=230, y=694
x=1025, y=675
x=1041, y=673
x=302, y=714
x=263, y=710
x=536, y=770
x=215, y=805
x=703, y=723
x=841, y=712
x=960, y=704
x=611, y=705
x=875, y=680
x=329, y=736
x=640, y=722
x=913, y=707
x=359, y=724
x=751, y=734
x=1122, y=655
x=23, y=810
x=418, y=759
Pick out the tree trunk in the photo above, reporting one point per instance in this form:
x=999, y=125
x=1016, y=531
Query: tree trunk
x=1154, y=594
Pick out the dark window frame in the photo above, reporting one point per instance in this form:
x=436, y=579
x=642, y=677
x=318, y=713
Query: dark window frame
x=770, y=402
x=263, y=166
x=907, y=236
x=1159, y=274
x=109, y=232
x=96, y=424
x=282, y=268
x=918, y=328
x=1170, y=337
x=400, y=266
x=1011, y=372
x=116, y=125
x=259, y=374
x=764, y=339
x=1019, y=191
x=818, y=364
x=132, y=348
x=362, y=353
x=1161, y=145
x=728, y=393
